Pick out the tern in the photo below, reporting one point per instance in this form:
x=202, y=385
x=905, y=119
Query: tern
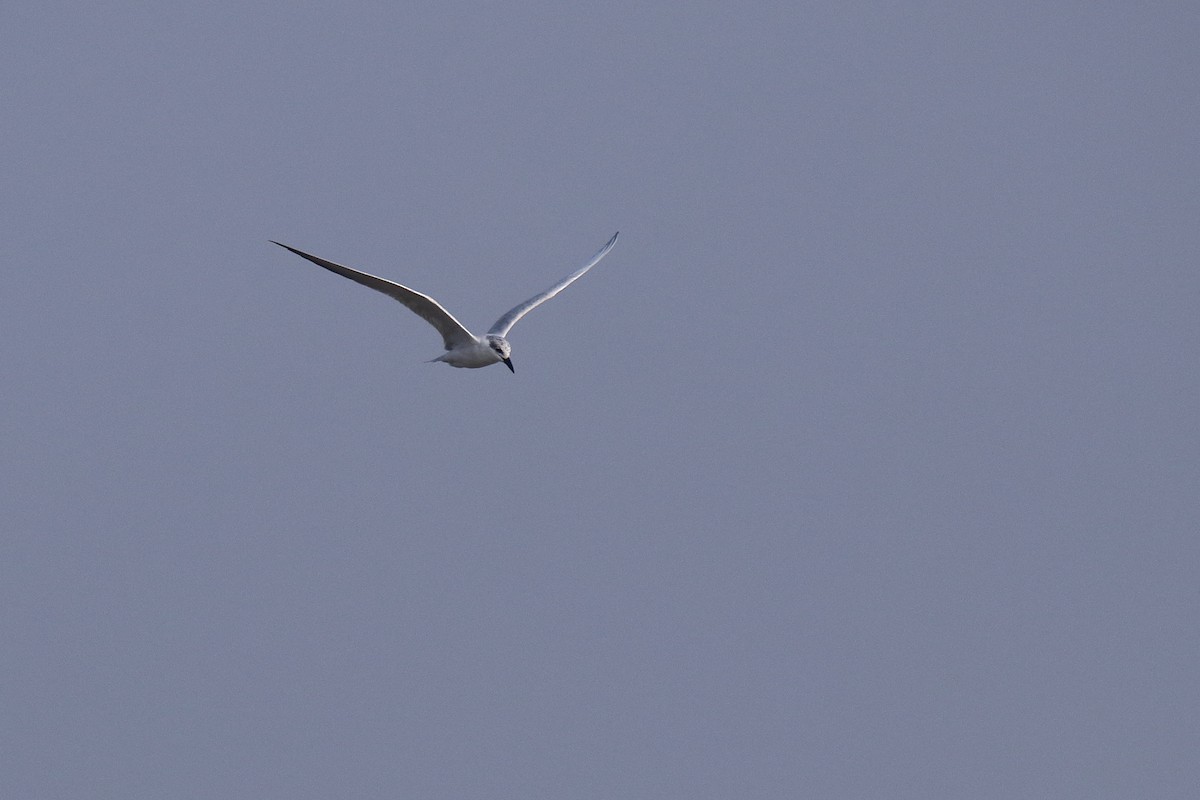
x=463, y=348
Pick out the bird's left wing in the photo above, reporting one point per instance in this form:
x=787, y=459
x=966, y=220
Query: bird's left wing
x=505, y=323
x=452, y=331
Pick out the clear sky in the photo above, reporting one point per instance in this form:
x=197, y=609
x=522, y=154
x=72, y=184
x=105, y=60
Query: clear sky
x=866, y=465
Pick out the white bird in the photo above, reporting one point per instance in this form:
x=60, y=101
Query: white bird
x=463, y=348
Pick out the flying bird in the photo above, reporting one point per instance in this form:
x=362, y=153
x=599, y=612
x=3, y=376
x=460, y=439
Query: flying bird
x=463, y=348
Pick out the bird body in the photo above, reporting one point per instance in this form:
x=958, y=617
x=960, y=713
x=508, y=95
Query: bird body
x=463, y=348
x=482, y=352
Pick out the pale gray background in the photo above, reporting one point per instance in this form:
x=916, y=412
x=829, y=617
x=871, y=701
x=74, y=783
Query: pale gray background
x=865, y=466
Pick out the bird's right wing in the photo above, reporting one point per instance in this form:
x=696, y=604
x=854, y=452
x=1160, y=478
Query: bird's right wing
x=452, y=331
x=505, y=323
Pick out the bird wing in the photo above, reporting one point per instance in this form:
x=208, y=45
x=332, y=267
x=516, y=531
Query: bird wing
x=505, y=323
x=452, y=331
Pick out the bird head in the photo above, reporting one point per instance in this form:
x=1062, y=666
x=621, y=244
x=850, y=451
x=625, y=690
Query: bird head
x=502, y=349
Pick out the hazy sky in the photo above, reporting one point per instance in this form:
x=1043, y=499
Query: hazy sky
x=867, y=465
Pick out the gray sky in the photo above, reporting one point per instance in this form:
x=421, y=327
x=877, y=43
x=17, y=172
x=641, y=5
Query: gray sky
x=866, y=465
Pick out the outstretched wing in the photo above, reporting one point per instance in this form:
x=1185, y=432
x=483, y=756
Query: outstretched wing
x=452, y=331
x=505, y=323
